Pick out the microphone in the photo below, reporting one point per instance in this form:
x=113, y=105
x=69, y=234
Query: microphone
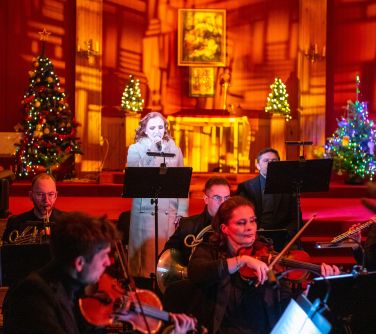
x=159, y=145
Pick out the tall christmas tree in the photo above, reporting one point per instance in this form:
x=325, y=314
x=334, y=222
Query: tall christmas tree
x=352, y=145
x=49, y=136
x=277, y=101
x=131, y=99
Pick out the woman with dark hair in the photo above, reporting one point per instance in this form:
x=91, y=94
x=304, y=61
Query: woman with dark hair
x=152, y=135
x=228, y=303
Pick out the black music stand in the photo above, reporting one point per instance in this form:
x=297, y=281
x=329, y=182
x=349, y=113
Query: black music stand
x=295, y=177
x=17, y=261
x=350, y=301
x=154, y=183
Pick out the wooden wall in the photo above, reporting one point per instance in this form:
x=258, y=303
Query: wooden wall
x=266, y=38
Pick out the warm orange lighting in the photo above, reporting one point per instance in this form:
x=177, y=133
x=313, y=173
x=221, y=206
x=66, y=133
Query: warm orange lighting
x=313, y=54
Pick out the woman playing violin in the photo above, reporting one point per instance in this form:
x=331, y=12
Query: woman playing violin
x=230, y=304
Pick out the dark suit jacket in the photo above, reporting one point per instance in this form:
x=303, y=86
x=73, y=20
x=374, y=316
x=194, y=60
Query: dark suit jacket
x=368, y=251
x=188, y=225
x=16, y=222
x=284, y=212
x=212, y=291
x=42, y=304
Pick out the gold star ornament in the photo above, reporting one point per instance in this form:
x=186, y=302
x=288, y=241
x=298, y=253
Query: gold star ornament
x=44, y=34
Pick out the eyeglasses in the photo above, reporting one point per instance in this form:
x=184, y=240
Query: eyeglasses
x=218, y=198
x=50, y=195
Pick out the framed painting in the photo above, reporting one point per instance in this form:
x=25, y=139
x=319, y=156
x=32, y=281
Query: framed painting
x=201, y=37
x=201, y=81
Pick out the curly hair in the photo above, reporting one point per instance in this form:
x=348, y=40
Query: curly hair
x=140, y=131
x=78, y=234
x=223, y=216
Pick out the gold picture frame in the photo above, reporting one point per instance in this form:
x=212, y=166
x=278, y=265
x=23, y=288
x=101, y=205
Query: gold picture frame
x=201, y=37
x=201, y=81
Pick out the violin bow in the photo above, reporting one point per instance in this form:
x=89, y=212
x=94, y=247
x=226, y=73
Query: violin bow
x=287, y=247
x=132, y=285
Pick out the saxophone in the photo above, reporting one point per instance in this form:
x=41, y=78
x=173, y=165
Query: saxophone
x=31, y=234
x=28, y=236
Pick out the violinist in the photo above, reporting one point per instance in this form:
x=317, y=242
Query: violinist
x=47, y=300
x=228, y=303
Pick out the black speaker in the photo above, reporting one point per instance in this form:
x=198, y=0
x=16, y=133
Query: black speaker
x=4, y=198
x=17, y=261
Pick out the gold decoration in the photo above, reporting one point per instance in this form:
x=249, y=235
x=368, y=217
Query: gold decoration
x=44, y=34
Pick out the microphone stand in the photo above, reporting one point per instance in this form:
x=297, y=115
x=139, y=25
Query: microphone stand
x=154, y=200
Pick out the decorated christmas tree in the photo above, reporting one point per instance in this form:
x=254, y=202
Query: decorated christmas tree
x=131, y=99
x=352, y=145
x=49, y=129
x=277, y=101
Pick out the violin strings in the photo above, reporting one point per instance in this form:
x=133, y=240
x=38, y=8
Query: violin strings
x=132, y=285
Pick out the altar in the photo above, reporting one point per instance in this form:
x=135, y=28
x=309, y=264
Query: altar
x=212, y=141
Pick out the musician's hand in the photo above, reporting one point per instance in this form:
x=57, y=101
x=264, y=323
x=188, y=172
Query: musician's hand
x=260, y=267
x=356, y=236
x=128, y=301
x=327, y=270
x=183, y=323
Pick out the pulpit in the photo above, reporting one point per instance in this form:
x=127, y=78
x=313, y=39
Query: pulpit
x=212, y=140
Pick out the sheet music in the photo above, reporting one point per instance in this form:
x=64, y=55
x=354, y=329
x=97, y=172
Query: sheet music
x=295, y=321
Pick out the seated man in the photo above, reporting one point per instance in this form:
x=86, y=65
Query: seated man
x=276, y=213
x=216, y=191
x=43, y=194
x=47, y=301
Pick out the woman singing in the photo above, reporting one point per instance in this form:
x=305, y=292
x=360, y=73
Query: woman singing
x=152, y=136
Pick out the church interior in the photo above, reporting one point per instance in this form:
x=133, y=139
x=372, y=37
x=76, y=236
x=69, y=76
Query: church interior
x=211, y=68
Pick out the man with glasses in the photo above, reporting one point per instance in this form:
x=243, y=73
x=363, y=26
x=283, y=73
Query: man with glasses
x=43, y=194
x=276, y=213
x=216, y=191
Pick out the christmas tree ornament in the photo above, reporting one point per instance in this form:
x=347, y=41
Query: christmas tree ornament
x=131, y=100
x=277, y=101
x=352, y=144
x=43, y=143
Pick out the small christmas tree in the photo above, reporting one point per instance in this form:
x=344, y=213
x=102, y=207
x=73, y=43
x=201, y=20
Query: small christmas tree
x=352, y=144
x=131, y=99
x=49, y=137
x=277, y=101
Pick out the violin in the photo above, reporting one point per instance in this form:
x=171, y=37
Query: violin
x=111, y=303
x=294, y=259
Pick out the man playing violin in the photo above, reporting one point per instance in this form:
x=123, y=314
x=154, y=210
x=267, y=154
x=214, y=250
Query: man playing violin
x=229, y=304
x=47, y=301
x=43, y=194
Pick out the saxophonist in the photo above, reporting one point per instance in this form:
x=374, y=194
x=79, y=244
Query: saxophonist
x=43, y=195
x=216, y=191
